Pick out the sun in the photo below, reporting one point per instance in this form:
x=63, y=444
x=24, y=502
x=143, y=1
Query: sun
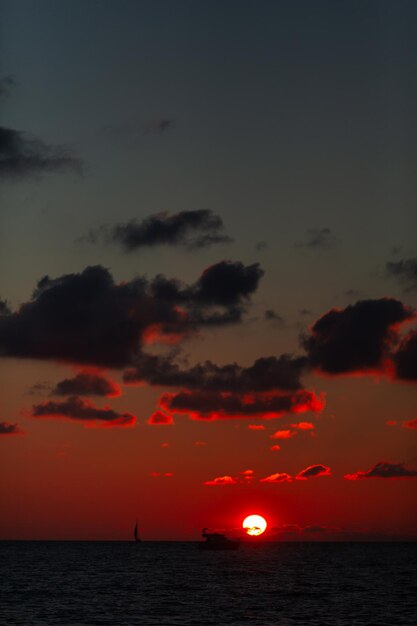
x=254, y=525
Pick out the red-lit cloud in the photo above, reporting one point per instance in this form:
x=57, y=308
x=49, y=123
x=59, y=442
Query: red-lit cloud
x=161, y=419
x=275, y=447
x=303, y=426
x=391, y=422
x=277, y=478
x=283, y=434
x=10, y=429
x=222, y=481
x=161, y=474
x=410, y=424
x=248, y=475
x=87, y=384
x=256, y=427
x=384, y=469
x=312, y=471
x=78, y=409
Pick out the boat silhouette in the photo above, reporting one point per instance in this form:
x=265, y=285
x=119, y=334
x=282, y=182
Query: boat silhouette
x=136, y=533
x=217, y=541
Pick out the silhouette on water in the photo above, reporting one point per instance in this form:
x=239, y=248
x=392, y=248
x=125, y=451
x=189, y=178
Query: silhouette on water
x=217, y=541
x=136, y=533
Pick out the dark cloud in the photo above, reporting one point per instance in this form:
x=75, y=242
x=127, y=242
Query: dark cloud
x=7, y=83
x=86, y=384
x=405, y=270
x=272, y=316
x=39, y=388
x=204, y=405
x=266, y=374
x=261, y=246
x=405, y=358
x=22, y=155
x=75, y=408
x=10, y=429
x=384, y=470
x=87, y=318
x=190, y=229
x=314, y=529
x=4, y=308
x=312, y=471
x=159, y=126
x=226, y=283
x=357, y=338
x=318, y=238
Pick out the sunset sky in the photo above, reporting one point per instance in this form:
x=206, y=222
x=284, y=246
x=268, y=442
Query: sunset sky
x=208, y=268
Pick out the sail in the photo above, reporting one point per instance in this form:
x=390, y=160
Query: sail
x=135, y=532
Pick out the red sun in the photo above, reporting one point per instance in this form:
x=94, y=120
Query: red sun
x=254, y=525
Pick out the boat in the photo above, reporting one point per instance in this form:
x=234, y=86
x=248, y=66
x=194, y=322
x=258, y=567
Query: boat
x=136, y=533
x=217, y=541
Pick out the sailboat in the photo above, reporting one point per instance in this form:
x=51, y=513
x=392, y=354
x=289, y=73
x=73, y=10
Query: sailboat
x=136, y=533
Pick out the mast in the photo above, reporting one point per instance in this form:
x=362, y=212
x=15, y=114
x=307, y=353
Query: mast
x=135, y=532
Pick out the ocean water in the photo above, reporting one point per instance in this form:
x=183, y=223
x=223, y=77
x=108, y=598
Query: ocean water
x=170, y=584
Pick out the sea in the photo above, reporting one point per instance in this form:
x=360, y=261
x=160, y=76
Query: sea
x=175, y=584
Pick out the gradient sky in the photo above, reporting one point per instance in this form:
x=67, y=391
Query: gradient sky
x=292, y=124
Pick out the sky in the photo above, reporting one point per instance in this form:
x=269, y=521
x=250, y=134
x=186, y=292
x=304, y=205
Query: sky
x=208, y=268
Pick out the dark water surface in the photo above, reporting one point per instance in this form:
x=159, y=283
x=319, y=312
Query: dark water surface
x=164, y=584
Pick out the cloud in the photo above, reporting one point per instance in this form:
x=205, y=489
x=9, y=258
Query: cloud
x=283, y=434
x=86, y=384
x=282, y=477
x=189, y=229
x=161, y=419
x=159, y=126
x=256, y=427
x=202, y=405
x=10, y=429
x=260, y=246
x=405, y=358
x=265, y=374
x=22, y=155
x=87, y=318
x=391, y=422
x=221, y=481
x=303, y=426
x=275, y=447
x=312, y=471
x=272, y=316
x=318, y=238
x=410, y=424
x=161, y=474
x=7, y=83
x=384, y=470
x=314, y=529
x=405, y=270
x=355, y=339
x=75, y=408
